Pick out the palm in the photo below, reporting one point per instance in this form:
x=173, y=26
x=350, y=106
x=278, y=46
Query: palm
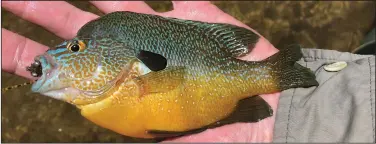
x=64, y=20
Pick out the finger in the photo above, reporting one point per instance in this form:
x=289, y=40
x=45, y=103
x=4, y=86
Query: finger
x=18, y=52
x=134, y=6
x=183, y=4
x=262, y=50
x=202, y=10
x=186, y=9
x=59, y=17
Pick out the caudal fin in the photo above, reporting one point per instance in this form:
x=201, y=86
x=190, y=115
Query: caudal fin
x=288, y=73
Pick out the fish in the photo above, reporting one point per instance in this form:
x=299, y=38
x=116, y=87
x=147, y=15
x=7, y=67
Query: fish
x=148, y=76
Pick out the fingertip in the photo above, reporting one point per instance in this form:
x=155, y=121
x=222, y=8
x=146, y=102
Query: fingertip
x=30, y=51
x=18, y=52
x=8, y=63
x=262, y=50
x=58, y=17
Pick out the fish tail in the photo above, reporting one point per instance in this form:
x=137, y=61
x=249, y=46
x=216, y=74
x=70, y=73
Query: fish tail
x=287, y=72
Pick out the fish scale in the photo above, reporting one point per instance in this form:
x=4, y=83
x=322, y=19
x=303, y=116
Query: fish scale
x=149, y=76
x=138, y=39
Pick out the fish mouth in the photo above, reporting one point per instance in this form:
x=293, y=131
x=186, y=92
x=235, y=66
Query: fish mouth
x=43, y=67
x=49, y=83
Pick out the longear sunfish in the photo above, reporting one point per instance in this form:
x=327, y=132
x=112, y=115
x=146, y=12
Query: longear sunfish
x=148, y=76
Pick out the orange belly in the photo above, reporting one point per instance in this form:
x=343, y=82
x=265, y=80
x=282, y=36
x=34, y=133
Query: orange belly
x=190, y=106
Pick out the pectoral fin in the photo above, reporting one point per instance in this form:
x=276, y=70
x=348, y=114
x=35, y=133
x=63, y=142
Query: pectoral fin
x=161, y=81
x=251, y=109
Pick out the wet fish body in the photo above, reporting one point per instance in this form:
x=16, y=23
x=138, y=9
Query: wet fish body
x=149, y=76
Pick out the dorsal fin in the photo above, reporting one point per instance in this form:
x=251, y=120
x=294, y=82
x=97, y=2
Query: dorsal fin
x=237, y=41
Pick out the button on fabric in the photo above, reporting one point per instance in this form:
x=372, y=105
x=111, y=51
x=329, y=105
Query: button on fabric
x=337, y=66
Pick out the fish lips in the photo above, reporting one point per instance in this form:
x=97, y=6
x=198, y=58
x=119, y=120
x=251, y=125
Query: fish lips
x=48, y=69
x=51, y=82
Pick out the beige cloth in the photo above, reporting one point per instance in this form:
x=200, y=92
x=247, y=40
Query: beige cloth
x=341, y=109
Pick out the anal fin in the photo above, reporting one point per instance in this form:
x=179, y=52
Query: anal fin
x=172, y=134
x=251, y=109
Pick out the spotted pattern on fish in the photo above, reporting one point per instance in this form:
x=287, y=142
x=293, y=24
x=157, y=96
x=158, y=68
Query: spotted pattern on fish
x=160, y=32
x=202, y=84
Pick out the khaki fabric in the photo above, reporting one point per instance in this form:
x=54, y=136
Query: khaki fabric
x=341, y=109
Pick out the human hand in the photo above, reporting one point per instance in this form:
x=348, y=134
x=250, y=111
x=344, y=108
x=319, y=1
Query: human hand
x=65, y=20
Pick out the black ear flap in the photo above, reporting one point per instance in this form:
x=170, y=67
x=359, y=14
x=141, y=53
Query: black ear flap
x=153, y=61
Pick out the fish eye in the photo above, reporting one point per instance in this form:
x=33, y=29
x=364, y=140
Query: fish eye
x=76, y=46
